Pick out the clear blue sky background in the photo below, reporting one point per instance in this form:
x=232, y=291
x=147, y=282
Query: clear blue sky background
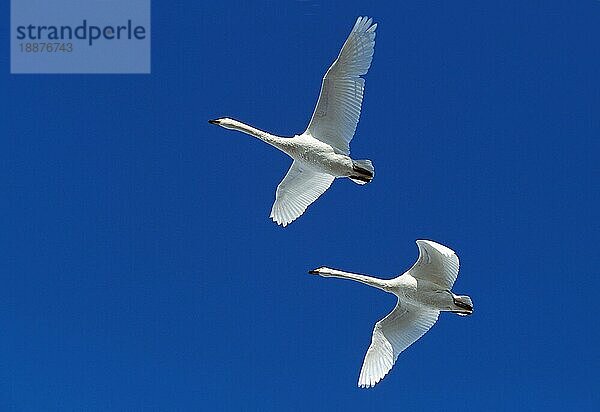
x=139, y=267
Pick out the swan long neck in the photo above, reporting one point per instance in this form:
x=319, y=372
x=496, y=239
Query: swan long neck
x=382, y=284
x=279, y=142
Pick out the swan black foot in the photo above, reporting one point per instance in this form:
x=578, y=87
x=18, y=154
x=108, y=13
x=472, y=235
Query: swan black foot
x=463, y=302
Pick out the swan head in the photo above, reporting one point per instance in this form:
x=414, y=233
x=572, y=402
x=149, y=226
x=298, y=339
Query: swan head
x=322, y=271
x=225, y=122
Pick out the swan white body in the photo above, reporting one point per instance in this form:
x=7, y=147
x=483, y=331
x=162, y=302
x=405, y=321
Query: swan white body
x=423, y=292
x=322, y=152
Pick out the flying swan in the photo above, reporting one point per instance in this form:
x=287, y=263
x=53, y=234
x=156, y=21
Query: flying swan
x=423, y=291
x=322, y=152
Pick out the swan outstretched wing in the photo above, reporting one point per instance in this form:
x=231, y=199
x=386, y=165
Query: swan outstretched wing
x=397, y=331
x=338, y=108
x=436, y=263
x=298, y=189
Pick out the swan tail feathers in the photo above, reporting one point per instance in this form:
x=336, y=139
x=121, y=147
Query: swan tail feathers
x=363, y=171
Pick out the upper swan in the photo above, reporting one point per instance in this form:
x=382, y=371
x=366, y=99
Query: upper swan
x=321, y=153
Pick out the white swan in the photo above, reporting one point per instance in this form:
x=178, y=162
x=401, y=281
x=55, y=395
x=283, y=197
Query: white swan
x=321, y=153
x=423, y=291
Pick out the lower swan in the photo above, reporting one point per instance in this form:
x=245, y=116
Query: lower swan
x=423, y=292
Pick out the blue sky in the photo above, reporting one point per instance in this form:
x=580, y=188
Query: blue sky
x=141, y=270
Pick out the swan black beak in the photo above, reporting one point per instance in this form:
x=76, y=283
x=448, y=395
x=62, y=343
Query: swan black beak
x=213, y=121
x=313, y=272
